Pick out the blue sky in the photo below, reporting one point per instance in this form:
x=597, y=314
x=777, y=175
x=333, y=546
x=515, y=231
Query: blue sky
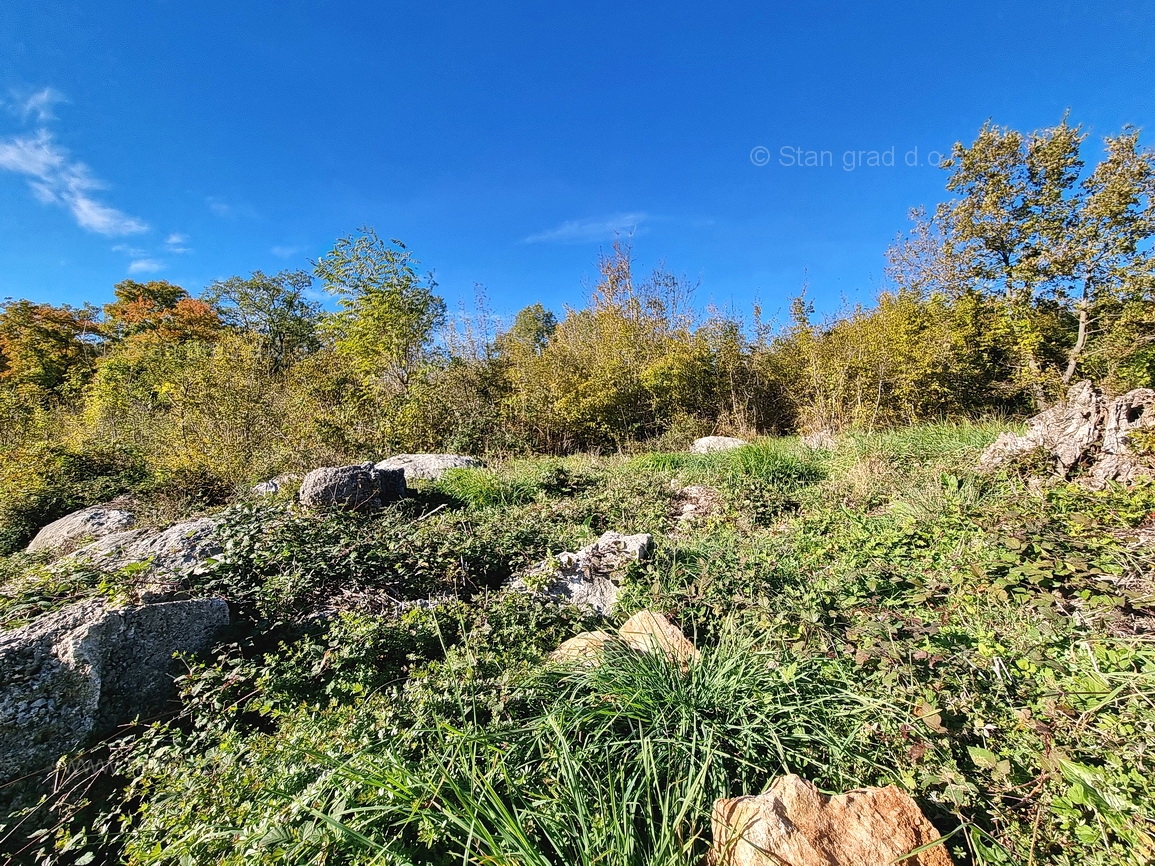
x=506, y=142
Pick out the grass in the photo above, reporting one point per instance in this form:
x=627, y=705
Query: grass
x=873, y=614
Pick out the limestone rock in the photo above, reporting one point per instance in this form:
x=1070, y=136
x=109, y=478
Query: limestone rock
x=168, y=554
x=590, y=576
x=586, y=648
x=644, y=632
x=428, y=467
x=361, y=487
x=78, y=673
x=275, y=485
x=710, y=444
x=79, y=526
x=1117, y=461
x=793, y=824
x=1085, y=430
x=649, y=632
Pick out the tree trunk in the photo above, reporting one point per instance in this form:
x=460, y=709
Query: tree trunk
x=1081, y=339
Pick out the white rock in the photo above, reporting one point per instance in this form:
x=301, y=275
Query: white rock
x=590, y=576
x=83, y=525
x=710, y=444
x=428, y=467
x=81, y=671
x=169, y=554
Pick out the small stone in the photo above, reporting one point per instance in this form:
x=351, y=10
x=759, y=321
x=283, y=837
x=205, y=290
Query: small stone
x=585, y=648
x=648, y=632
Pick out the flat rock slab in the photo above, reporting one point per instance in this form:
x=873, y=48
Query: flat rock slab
x=710, y=444
x=78, y=673
x=795, y=824
x=79, y=526
x=428, y=467
x=360, y=487
x=649, y=632
x=167, y=554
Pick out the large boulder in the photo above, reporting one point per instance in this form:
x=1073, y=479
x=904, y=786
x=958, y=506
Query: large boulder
x=710, y=444
x=79, y=526
x=361, y=487
x=78, y=673
x=428, y=467
x=1086, y=431
x=795, y=823
x=590, y=576
x=164, y=556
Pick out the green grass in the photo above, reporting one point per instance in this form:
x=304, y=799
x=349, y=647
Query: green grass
x=873, y=614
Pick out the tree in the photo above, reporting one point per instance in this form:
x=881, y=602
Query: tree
x=41, y=344
x=531, y=329
x=1064, y=257
x=274, y=308
x=160, y=308
x=388, y=315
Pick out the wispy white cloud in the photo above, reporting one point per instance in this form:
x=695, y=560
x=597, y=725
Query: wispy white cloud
x=177, y=243
x=286, y=252
x=55, y=178
x=588, y=230
x=145, y=266
x=30, y=104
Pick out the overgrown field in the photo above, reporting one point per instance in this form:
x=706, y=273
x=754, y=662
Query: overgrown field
x=872, y=614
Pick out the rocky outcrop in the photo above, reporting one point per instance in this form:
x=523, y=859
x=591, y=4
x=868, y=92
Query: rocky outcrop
x=76, y=674
x=588, y=577
x=361, y=487
x=793, y=824
x=166, y=556
x=428, y=467
x=80, y=526
x=1086, y=431
x=710, y=444
x=275, y=485
x=644, y=632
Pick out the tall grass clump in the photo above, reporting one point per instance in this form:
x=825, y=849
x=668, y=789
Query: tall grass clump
x=617, y=762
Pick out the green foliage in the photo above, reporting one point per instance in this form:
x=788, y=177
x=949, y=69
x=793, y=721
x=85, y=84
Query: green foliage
x=388, y=314
x=41, y=483
x=275, y=308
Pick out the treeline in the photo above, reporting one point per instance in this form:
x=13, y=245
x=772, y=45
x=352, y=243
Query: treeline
x=1036, y=272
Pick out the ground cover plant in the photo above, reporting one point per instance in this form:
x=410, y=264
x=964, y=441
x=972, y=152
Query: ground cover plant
x=872, y=613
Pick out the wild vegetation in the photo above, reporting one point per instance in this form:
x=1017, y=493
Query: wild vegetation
x=871, y=612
